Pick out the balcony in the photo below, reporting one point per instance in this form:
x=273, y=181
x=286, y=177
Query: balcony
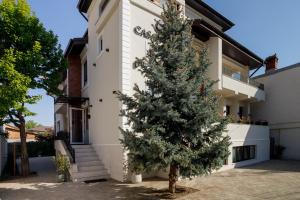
x=240, y=77
x=239, y=83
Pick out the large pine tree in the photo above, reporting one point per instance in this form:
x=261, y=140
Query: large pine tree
x=175, y=122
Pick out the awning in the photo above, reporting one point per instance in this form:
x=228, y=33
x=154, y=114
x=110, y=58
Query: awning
x=70, y=100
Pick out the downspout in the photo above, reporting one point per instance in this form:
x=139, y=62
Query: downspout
x=83, y=16
x=255, y=71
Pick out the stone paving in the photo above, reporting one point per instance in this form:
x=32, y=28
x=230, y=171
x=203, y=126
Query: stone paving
x=270, y=180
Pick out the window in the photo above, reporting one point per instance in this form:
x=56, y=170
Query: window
x=236, y=75
x=243, y=153
x=58, y=126
x=241, y=112
x=227, y=111
x=85, y=74
x=100, y=44
x=102, y=6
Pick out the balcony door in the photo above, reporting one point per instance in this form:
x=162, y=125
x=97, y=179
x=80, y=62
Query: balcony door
x=77, y=125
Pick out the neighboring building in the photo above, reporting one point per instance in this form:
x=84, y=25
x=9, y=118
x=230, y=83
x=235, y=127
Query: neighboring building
x=41, y=130
x=281, y=107
x=14, y=134
x=100, y=63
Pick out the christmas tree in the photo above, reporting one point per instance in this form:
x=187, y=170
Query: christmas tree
x=175, y=122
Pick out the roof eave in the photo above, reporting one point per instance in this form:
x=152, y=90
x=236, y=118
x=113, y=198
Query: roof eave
x=83, y=5
x=211, y=31
x=211, y=13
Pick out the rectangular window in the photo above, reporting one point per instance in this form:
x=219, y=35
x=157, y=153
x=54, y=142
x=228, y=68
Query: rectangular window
x=243, y=153
x=85, y=73
x=58, y=126
x=227, y=110
x=102, y=6
x=100, y=44
x=241, y=112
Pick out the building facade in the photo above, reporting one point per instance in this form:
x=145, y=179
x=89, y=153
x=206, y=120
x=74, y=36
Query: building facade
x=100, y=63
x=281, y=107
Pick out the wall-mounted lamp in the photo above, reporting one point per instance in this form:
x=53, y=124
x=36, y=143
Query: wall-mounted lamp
x=100, y=100
x=114, y=92
x=107, y=50
x=94, y=64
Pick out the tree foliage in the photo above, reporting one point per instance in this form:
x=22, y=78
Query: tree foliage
x=174, y=122
x=13, y=85
x=31, y=124
x=30, y=54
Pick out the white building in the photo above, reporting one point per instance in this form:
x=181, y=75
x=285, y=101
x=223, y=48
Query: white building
x=100, y=63
x=281, y=108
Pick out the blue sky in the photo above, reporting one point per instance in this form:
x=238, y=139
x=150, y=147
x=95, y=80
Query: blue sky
x=264, y=26
x=62, y=17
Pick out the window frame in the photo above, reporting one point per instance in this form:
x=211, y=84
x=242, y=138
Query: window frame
x=84, y=68
x=243, y=153
x=100, y=43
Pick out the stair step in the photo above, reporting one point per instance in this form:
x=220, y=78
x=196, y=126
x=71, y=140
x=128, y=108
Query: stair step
x=86, y=158
x=80, y=154
x=89, y=174
x=84, y=150
x=89, y=163
x=82, y=146
x=91, y=178
x=91, y=168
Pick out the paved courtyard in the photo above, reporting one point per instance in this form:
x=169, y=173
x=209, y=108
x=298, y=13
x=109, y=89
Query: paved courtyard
x=270, y=180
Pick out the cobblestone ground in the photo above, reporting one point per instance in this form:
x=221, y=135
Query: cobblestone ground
x=270, y=180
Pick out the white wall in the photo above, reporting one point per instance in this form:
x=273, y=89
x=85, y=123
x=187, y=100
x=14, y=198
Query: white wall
x=290, y=139
x=215, y=57
x=282, y=98
x=244, y=134
x=281, y=109
x=103, y=80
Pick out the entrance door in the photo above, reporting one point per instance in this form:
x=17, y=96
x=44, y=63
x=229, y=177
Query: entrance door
x=77, y=128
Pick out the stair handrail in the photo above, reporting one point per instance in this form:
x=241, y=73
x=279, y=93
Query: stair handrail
x=64, y=136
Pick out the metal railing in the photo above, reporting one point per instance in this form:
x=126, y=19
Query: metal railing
x=65, y=137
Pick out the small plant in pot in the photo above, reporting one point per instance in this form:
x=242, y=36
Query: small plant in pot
x=62, y=167
x=136, y=173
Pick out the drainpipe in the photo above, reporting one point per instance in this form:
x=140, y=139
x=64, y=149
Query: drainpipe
x=83, y=16
x=255, y=71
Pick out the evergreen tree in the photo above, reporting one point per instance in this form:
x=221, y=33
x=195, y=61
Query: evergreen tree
x=175, y=122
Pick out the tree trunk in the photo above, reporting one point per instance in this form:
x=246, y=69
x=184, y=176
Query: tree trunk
x=173, y=175
x=24, y=154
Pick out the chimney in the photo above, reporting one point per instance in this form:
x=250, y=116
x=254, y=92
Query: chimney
x=271, y=63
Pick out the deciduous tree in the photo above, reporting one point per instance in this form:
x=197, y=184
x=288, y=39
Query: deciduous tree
x=36, y=57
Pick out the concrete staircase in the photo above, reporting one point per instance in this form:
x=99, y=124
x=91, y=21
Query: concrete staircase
x=89, y=166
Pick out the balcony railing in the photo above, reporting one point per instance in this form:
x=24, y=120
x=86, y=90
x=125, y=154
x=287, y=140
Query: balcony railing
x=235, y=75
x=241, y=77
